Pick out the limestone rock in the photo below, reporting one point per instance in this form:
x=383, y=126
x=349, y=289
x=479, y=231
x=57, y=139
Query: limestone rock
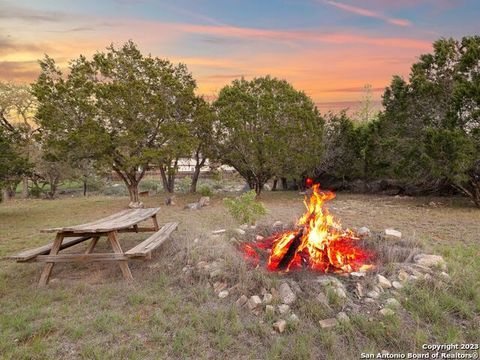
x=393, y=303
x=328, y=323
x=294, y=319
x=360, y=291
x=218, y=232
x=254, y=302
x=280, y=325
x=340, y=293
x=342, y=317
x=241, y=301
x=240, y=231
x=322, y=298
x=363, y=232
x=286, y=294
x=223, y=294
x=267, y=298
x=403, y=275
x=277, y=224
x=204, y=201
x=270, y=310
x=387, y=312
x=283, y=309
x=373, y=294
x=383, y=282
x=393, y=234
x=193, y=206
x=397, y=285
x=431, y=261
x=357, y=274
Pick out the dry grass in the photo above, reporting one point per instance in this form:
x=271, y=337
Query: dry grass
x=89, y=312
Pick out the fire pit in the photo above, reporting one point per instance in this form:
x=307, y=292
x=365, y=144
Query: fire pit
x=317, y=242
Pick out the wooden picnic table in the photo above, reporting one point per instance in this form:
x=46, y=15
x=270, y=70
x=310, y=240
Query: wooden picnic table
x=123, y=221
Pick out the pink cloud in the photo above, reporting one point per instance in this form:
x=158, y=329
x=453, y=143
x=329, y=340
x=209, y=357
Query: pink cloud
x=368, y=13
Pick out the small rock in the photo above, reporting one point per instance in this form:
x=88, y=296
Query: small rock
x=340, y=293
x=357, y=274
x=241, y=301
x=277, y=224
x=445, y=275
x=286, y=294
x=430, y=261
x=280, y=325
x=387, y=312
x=363, y=232
x=254, y=302
x=219, y=286
x=267, y=298
x=240, y=232
x=274, y=293
x=342, y=317
x=283, y=309
x=403, y=275
x=385, y=352
x=427, y=277
x=397, y=285
x=393, y=234
x=383, y=282
x=328, y=323
x=369, y=300
x=360, y=290
x=294, y=319
x=373, y=294
x=218, y=232
x=223, y=294
x=204, y=201
x=393, y=303
x=270, y=310
x=259, y=238
x=193, y=206
x=243, y=226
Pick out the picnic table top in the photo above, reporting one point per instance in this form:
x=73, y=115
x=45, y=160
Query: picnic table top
x=118, y=221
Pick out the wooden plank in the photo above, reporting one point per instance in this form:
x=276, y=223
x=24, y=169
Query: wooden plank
x=66, y=258
x=119, y=221
x=47, y=269
x=45, y=249
x=92, y=245
x=112, y=238
x=154, y=241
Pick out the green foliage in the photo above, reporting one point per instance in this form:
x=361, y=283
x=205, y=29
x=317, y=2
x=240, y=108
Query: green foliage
x=265, y=127
x=122, y=110
x=149, y=185
x=429, y=130
x=245, y=208
x=205, y=190
x=184, y=185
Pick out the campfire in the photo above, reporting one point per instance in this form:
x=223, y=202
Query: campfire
x=317, y=242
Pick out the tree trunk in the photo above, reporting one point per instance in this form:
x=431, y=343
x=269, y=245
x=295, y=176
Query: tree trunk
x=284, y=183
x=133, y=192
x=274, y=186
x=6, y=194
x=166, y=180
x=84, y=186
x=25, y=187
x=196, y=175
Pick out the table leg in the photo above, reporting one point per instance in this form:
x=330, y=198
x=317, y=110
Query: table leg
x=112, y=238
x=155, y=222
x=92, y=244
x=47, y=269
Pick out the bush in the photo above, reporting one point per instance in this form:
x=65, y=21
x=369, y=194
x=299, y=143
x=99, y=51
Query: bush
x=184, y=185
x=205, y=190
x=149, y=185
x=245, y=209
x=115, y=190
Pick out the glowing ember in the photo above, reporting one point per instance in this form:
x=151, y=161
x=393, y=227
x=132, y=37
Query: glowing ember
x=318, y=242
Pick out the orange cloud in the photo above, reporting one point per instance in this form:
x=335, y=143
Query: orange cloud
x=368, y=13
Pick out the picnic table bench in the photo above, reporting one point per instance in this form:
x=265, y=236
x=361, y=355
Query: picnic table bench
x=123, y=221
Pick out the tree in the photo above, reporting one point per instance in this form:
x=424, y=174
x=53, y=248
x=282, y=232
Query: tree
x=12, y=165
x=202, y=137
x=366, y=111
x=17, y=110
x=265, y=127
x=117, y=109
x=429, y=130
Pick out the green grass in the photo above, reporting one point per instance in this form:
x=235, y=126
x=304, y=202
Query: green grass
x=88, y=312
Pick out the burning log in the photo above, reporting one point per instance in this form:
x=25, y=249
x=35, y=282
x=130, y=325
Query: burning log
x=292, y=250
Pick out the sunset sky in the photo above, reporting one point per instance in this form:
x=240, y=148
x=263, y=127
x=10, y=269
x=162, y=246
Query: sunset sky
x=330, y=49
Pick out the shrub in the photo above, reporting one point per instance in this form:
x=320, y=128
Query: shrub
x=245, y=209
x=184, y=185
x=149, y=185
x=205, y=190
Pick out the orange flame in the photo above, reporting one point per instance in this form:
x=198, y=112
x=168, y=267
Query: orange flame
x=318, y=242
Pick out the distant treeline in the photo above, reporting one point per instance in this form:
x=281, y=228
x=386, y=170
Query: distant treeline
x=123, y=111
